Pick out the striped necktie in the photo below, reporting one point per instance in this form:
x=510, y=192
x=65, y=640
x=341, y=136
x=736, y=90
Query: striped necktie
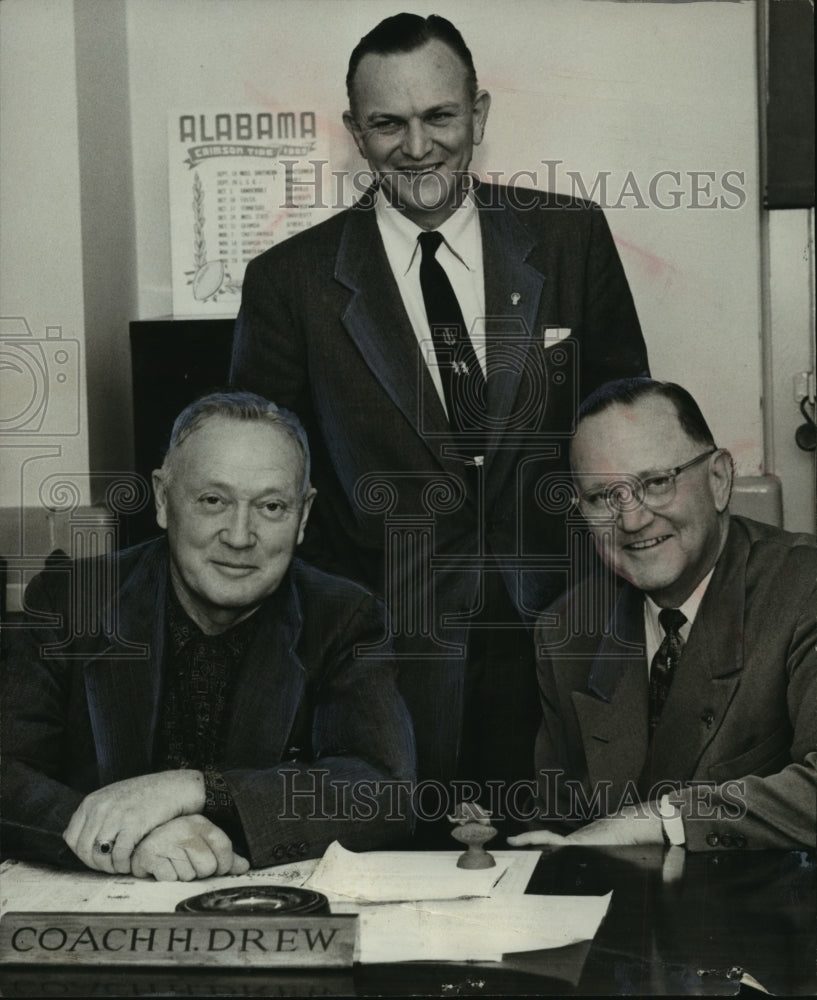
x=665, y=661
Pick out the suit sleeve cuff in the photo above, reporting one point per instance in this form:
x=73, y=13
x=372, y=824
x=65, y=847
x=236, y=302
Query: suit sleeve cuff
x=220, y=807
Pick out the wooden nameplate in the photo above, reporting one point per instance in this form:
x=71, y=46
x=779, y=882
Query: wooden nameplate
x=178, y=939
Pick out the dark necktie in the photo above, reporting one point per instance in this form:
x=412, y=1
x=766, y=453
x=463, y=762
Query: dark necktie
x=460, y=372
x=665, y=661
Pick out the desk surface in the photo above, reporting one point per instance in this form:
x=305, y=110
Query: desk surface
x=678, y=924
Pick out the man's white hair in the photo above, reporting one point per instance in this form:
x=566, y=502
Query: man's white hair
x=238, y=405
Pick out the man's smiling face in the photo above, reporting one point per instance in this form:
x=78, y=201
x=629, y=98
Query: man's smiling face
x=231, y=498
x=416, y=123
x=665, y=552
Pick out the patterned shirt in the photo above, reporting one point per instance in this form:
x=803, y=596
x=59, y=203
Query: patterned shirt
x=200, y=675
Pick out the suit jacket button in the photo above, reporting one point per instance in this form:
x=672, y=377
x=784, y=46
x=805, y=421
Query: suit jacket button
x=726, y=840
x=713, y=839
x=302, y=850
x=278, y=852
x=740, y=840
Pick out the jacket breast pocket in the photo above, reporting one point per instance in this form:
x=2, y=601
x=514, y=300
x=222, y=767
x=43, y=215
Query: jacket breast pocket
x=764, y=758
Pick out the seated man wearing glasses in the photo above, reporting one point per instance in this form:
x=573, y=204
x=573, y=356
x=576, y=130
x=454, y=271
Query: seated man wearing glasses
x=690, y=714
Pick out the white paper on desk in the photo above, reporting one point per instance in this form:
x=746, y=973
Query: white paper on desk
x=477, y=929
x=394, y=876
x=30, y=888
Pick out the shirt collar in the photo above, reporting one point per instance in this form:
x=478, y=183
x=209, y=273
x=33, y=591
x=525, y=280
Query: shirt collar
x=689, y=608
x=460, y=232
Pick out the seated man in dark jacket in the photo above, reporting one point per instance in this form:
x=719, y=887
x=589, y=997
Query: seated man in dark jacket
x=204, y=702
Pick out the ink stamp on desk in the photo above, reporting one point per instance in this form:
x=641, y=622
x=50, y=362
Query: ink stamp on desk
x=472, y=826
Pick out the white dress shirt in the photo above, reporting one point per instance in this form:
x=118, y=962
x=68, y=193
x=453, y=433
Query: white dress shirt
x=654, y=635
x=460, y=256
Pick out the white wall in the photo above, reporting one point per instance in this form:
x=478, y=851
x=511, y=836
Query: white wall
x=41, y=278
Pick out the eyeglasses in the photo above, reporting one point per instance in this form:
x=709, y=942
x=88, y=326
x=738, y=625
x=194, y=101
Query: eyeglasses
x=630, y=492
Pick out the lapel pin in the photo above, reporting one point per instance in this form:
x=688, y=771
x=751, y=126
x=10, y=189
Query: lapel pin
x=515, y=297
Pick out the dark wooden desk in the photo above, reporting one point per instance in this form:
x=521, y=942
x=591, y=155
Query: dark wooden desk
x=718, y=915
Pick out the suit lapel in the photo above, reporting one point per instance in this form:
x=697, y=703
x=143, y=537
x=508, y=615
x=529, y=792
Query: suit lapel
x=376, y=320
x=513, y=292
x=123, y=687
x=270, y=687
x=123, y=681
x=709, y=672
x=612, y=713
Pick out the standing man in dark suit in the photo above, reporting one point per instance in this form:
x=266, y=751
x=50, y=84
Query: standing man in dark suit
x=435, y=339
x=690, y=712
x=197, y=703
